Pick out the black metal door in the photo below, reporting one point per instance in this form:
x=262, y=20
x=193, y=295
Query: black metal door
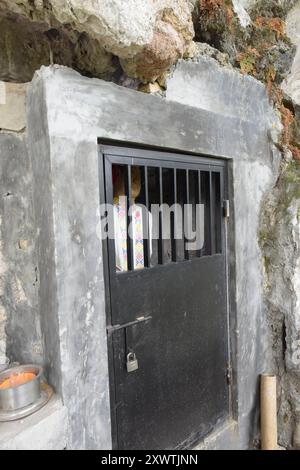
x=172, y=312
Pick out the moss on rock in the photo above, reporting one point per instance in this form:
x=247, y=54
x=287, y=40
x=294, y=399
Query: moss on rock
x=261, y=49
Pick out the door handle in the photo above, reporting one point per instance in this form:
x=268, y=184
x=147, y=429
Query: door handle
x=112, y=328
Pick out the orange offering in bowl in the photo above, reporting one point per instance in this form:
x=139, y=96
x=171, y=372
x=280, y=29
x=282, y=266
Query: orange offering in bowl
x=16, y=380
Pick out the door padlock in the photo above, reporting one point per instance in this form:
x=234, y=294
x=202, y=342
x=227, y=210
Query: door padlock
x=132, y=362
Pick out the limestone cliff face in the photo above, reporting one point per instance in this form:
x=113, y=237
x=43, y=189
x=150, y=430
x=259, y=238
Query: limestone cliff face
x=280, y=240
x=143, y=38
x=292, y=84
x=147, y=36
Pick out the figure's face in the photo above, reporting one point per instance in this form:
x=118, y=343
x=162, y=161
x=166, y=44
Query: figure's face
x=119, y=181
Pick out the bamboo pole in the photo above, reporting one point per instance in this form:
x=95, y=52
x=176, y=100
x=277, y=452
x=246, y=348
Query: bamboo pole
x=268, y=407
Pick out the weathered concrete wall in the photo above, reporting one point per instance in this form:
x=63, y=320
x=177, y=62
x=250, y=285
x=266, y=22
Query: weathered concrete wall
x=19, y=309
x=67, y=114
x=70, y=257
x=20, y=329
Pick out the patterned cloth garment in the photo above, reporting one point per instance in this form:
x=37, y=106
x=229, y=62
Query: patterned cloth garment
x=120, y=226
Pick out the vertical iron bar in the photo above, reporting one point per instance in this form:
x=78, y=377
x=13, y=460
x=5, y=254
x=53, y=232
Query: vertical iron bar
x=110, y=200
x=146, y=221
x=212, y=216
x=222, y=199
x=130, y=264
x=221, y=217
x=160, y=240
x=199, y=209
x=186, y=213
x=174, y=220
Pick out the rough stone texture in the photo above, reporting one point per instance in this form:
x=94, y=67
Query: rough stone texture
x=170, y=40
x=251, y=33
x=291, y=86
x=25, y=46
x=151, y=88
x=203, y=50
x=280, y=239
x=19, y=309
x=148, y=36
x=13, y=107
x=44, y=430
x=67, y=113
x=293, y=23
x=240, y=8
x=249, y=5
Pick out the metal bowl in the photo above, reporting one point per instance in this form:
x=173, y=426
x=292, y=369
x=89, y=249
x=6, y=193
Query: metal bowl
x=22, y=395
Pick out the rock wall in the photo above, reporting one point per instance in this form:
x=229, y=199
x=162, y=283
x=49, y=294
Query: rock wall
x=99, y=38
x=281, y=248
x=24, y=47
x=292, y=84
x=252, y=33
x=280, y=240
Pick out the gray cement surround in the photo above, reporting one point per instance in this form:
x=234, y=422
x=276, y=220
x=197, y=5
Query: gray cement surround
x=67, y=113
x=20, y=327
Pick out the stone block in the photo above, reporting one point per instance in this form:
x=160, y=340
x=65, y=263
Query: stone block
x=13, y=106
